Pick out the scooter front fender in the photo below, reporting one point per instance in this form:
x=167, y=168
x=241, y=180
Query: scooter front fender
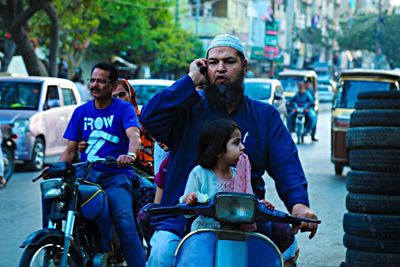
x=217, y=247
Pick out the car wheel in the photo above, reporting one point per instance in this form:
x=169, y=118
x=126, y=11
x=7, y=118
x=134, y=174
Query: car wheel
x=338, y=169
x=8, y=158
x=37, y=161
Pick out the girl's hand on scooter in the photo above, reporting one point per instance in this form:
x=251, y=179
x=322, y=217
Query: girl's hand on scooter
x=267, y=204
x=301, y=210
x=190, y=198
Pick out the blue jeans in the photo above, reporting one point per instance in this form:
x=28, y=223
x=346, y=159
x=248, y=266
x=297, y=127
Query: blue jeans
x=119, y=191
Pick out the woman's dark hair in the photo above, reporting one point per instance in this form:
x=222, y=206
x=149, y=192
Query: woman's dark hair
x=107, y=67
x=214, y=136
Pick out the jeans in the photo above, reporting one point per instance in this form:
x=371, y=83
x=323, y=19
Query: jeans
x=119, y=191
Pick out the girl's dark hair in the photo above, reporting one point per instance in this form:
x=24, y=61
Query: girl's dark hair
x=214, y=136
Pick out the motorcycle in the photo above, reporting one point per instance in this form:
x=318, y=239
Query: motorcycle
x=77, y=215
x=228, y=245
x=8, y=147
x=299, y=121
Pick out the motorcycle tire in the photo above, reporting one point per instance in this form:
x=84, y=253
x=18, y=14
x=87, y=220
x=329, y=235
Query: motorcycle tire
x=8, y=157
x=49, y=249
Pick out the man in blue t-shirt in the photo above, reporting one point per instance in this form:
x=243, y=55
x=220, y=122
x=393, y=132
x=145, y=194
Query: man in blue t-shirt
x=110, y=127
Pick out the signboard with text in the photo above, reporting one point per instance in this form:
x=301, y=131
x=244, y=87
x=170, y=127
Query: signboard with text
x=271, y=40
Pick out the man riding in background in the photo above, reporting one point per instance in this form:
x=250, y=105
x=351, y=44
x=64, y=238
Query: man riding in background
x=302, y=99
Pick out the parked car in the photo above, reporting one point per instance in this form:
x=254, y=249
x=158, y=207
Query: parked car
x=351, y=83
x=325, y=92
x=147, y=88
x=268, y=91
x=39, y=109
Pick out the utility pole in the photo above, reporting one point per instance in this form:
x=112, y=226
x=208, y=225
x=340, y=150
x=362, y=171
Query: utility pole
x=176, y=11
x=197, y=17
x=378, y=37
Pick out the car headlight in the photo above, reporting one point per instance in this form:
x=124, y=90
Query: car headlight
x=20, y=126
x=52, y=188
x=235, y=207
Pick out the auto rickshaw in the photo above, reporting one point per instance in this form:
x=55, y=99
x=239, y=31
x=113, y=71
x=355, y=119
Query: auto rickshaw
x=351, y=83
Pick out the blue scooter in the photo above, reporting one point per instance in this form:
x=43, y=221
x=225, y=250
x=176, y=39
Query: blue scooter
x=228, y=246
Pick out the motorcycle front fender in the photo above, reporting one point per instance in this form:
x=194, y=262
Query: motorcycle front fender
x=38, y=236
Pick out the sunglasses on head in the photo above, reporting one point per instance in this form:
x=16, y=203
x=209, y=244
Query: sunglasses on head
x=120, y=94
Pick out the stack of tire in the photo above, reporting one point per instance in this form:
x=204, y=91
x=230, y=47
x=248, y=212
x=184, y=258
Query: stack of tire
x=372, y=223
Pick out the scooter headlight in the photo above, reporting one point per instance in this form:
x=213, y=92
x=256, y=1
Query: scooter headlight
x=235, y=207
x=52, y=188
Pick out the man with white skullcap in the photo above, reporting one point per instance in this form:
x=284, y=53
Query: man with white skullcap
x=176, y=115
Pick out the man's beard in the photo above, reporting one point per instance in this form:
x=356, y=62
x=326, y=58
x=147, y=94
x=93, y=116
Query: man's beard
x=225, y=95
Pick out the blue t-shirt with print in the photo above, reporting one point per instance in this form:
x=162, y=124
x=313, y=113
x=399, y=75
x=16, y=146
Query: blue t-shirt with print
x=104, y=130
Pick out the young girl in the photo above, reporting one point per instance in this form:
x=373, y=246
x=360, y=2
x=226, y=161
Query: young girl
x=220, y=146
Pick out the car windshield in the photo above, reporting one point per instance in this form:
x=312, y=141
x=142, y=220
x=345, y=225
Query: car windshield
x=351, y=89
x=145, y=92
x=259, y=90
x=323, y=88
x=289, y=84
x=19, y=95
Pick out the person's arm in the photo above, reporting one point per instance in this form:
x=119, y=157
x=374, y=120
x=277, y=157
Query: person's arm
x=163, y=113
x=158, y=196
x=69, y=153
x=286, y=170
x=193, y=184
x=133, y=134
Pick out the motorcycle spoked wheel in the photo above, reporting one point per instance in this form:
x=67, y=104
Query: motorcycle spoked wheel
x=47, y=253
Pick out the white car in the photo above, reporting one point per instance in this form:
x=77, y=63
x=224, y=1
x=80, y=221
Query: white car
x=268, y=91
x=39, y=108
x=146, y=88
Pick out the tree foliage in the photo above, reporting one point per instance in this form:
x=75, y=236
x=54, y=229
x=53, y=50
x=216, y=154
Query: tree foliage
x=142, y=31
x=361, y=33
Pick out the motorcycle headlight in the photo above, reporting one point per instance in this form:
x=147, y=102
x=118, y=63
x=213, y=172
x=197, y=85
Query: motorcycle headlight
x=52, y=188
x=20, y=126
x=235, y=207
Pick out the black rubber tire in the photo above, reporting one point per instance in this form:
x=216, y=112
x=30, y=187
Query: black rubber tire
x=377, y=104
x=373, y=204
x=339, y=169
x=379, y=95
x=30, y=252
x=373, y=137
x=37, y=161
x=385, y=160
x=355, y=258
x=8, y=159
x=378, y=117
x=373, y=182
x=371, y=244
x=372, y=225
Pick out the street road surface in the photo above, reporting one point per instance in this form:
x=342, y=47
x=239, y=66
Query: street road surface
x=20, y=211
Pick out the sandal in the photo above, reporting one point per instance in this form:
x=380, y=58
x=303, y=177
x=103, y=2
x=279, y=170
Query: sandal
x=3, y=182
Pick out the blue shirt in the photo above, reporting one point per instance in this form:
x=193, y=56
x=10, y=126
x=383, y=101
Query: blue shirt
x=303, y=99
x=175, y=117
x=104, y=130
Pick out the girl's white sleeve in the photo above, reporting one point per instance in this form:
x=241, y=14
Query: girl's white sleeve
x=193, y=184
